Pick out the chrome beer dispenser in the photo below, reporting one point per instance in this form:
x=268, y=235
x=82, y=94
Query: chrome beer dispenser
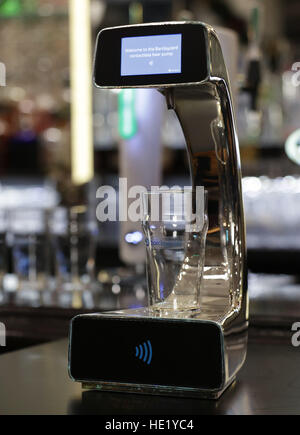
x=194, y=353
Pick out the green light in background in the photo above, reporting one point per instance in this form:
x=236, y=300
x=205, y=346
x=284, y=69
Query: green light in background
x=127, y=115
x=10, y=8
x=17, y=8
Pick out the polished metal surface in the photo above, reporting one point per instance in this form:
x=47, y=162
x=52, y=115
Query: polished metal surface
x=206, y=115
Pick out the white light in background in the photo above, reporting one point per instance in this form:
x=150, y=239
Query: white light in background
x=251, y=184
x=134, y=238
x=81, y=91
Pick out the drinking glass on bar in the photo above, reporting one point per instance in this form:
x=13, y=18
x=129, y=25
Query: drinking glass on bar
x=175, y=224
x=28, y=230
x=74, y=236
x=3, y=251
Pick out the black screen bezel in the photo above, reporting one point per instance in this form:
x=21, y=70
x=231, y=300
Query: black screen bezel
x=107, y=63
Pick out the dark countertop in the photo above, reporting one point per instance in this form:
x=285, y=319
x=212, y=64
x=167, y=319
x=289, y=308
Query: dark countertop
x=35, y=381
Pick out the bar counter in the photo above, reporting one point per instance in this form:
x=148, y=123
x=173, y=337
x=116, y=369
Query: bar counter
x=35, y=381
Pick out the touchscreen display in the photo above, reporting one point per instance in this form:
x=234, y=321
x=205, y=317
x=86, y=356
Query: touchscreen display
x=154, y=54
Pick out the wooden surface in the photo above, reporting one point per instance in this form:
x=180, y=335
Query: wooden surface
x=35, y=381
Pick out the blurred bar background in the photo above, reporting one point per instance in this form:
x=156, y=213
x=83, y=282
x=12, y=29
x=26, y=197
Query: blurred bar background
x=61, y=139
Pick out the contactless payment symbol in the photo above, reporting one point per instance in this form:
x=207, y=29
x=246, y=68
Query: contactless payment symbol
x=144, y=352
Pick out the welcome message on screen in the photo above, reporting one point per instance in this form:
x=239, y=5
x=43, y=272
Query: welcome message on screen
x=145, y=55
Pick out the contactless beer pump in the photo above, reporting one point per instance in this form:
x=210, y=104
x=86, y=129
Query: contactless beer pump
x=199, y=352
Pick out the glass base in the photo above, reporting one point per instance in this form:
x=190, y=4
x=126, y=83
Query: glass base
x=176, y=306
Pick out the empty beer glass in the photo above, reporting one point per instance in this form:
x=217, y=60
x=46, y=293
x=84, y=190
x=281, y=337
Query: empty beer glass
x=175, y=224
x=28, y=229
x=74, y=236
x=3, y=251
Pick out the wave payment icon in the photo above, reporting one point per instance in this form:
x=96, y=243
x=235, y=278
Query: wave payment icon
x=144, y=352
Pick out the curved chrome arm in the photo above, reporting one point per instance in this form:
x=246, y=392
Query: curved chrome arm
x=206, y=115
